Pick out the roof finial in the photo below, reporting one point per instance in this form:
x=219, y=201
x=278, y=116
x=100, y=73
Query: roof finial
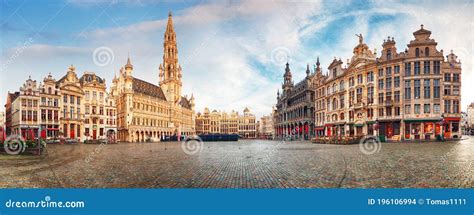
x=422, y=26
x=169, y=13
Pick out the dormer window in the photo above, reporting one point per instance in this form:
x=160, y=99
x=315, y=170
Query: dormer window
x=334, y=72
x=389, y=54
x=417, y=52
x=427, y=52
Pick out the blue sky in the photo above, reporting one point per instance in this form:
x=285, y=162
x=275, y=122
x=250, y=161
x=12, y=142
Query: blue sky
x=232, y=52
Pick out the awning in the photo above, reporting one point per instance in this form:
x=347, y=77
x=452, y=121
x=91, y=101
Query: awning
x=452, y=118
x=422, y=120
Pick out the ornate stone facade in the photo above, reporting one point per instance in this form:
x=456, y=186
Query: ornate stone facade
x=148, y=112
x=217, y=122
x=72, y=118
x=95, y=116
x=411, y=95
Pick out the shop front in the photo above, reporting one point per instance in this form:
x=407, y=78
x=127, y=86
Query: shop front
x=451, y=127
x=422, y=129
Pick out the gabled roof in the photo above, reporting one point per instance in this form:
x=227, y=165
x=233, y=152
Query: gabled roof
x=149, y=89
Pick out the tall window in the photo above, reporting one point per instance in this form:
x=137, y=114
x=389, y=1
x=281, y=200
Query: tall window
x=436, y=89
x=359, y=79
x=427, y=88
x=407, y=69
x=380, y=72
x=447, y=77
x=341, y=101
x=370, y=95
x=407, y=89
x=380, y=83
x=436, y=108
x=397, y=69
x=334, y=72
x=455, y=106
x=396, y=82
x=417, y=89
x=380, y=98
x=436, y=67
x=389, y=54
x=417, y=52
x=388, y=71
x=359, y=95
x=455, y=77
x=417, y=108
x=426, y=66
x=426, y=108
x=427, y=51
x=447, y=106
x=396, y=96
x=388, y=83
x=417, y=68
x=341, y=85
x=370, y=76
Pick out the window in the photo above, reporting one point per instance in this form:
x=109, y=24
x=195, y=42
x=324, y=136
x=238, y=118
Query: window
x=380, y=72
x=417, y=68
x=341, y=101
x=388, y=71
x=71, y=113
x=436, y=67
x=396, y=82
x=397, y=111
x=426, y=66
x=370, y=76
x=370, y=95
x=427, y=51
x=78, y=100
x=388, y=111
x=455, y=77
x=380, y=98
x=388, y=96
x=396, y=96
x=380, y=83
x=447, y=77
x=359, y=79
x=447, y=90
x=407, y=69
x=455, y=106
x=456, y=90
x=417, y=108
x=436, y=89
x=417, y=52
x=86, y=94
x=407, y=89
x=359, y=95
x=341, y=85
x=380, y=111
x=334, y=72
x=389, y=54
x=427, y=89
x=397, y=69
x=351, y=82
x=436, y=108
x=447, y=106
x=389, y=83
x=65, y=98
x=426, y=108
x=417, y=89
x=71, y=99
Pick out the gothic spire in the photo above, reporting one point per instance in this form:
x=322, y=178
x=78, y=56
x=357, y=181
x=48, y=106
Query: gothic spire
x=129, y=64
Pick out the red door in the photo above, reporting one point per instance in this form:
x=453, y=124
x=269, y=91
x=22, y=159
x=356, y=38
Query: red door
x=94, y=134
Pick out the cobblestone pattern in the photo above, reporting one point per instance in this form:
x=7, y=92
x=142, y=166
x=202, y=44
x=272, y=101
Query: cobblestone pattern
x=243, y=164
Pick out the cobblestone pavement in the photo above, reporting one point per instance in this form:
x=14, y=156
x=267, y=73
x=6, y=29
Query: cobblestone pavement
x=244, y=164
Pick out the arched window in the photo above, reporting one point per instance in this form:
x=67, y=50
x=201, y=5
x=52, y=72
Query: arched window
x=334, y=104
x=389, y=54
x=341, y=116
x=417, y=52
x=341, y=85
x=427, y=51
x=49, y=90
x=334, y=87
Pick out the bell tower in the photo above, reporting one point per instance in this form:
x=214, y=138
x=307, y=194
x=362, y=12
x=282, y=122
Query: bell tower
x=170, y=71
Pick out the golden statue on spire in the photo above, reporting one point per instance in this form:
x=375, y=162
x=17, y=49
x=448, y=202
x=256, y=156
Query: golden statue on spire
x=361, y=38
